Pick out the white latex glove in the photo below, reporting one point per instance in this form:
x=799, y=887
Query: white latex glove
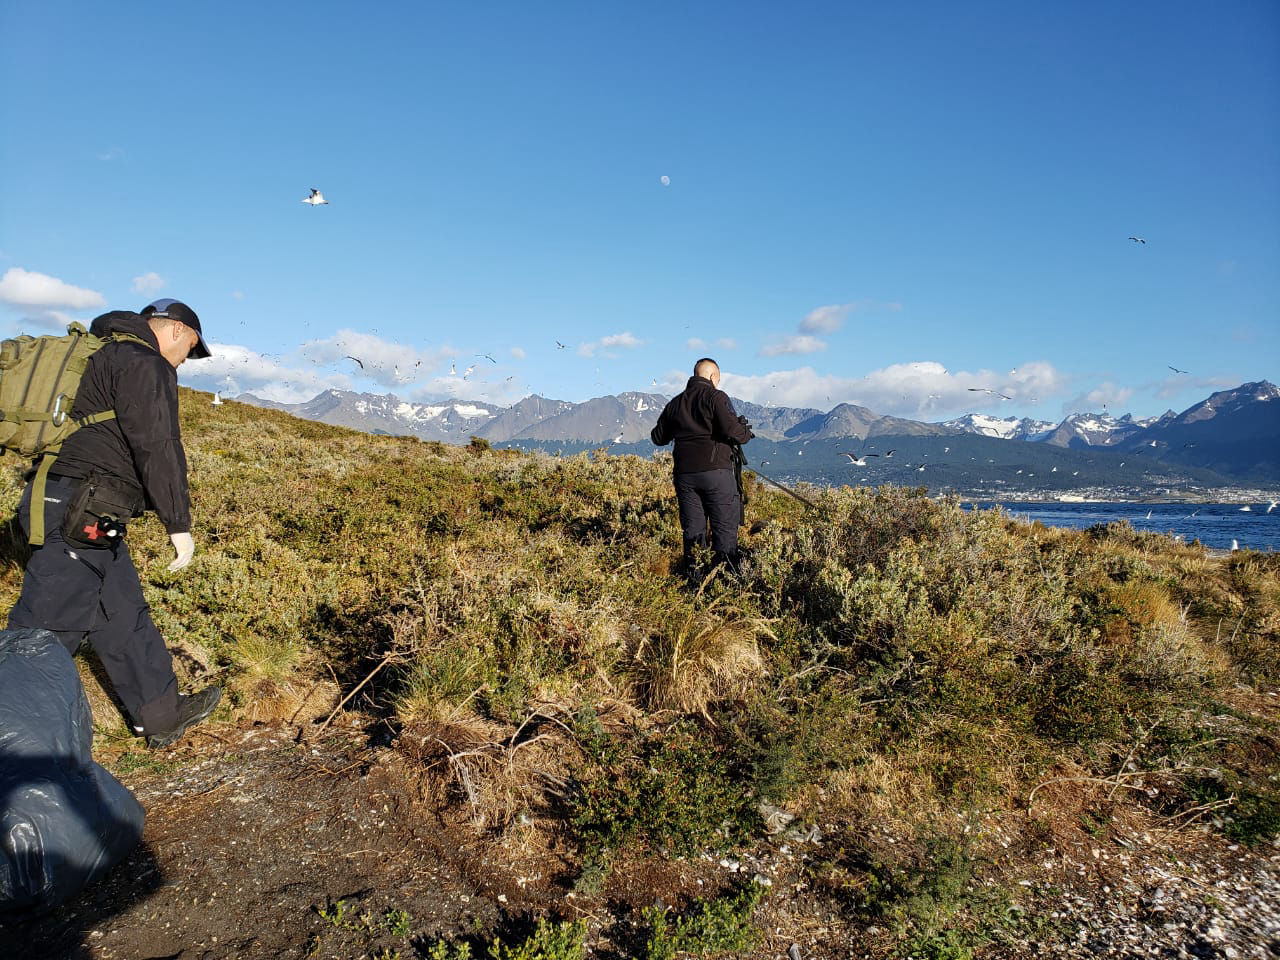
x=184, y=547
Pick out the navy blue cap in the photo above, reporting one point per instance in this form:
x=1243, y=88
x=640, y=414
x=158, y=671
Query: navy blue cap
x=177, y=310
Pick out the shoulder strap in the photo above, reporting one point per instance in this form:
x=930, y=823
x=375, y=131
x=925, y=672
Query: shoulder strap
x=119, y=336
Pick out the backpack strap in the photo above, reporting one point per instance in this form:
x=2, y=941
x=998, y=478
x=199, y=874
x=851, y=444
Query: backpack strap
x=37, y=500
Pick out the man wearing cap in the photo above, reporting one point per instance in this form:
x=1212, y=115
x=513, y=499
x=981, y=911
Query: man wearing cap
x=702, y=422
x=134, y=461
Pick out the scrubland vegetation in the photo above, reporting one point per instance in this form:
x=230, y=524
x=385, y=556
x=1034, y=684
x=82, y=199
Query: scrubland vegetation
x=898, y=674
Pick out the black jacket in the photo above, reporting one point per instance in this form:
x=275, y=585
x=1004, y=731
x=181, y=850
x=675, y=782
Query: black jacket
x=140, y=451
x=702, y=423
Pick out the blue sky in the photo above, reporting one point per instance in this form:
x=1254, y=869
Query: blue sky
x=873, y=203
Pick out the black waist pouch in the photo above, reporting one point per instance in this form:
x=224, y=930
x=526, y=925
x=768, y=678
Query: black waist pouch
x=97, y=514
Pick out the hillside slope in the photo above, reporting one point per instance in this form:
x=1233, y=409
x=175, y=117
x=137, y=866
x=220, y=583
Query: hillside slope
x=879, y=737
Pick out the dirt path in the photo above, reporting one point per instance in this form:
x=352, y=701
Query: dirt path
x=249, y=837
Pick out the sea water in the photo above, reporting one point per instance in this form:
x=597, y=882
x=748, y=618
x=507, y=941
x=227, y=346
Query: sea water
x=1213, y=524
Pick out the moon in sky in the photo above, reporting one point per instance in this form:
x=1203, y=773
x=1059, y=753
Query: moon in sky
x=665, y=180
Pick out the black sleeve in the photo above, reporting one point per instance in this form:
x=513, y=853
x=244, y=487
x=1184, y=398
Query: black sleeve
x=725, y=423
x=661, y=433
x=147, y=411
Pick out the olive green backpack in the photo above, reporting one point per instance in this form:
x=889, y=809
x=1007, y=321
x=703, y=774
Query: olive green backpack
x=39, y=377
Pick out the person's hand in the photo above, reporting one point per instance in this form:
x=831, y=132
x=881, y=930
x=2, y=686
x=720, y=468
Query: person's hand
x=184, y=547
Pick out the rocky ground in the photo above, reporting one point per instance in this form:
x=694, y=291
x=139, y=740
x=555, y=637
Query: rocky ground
x=258, y=845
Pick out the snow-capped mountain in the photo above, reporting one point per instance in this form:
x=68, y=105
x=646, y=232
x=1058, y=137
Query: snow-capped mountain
x=1006, y=428
x=1235, y=433
x=851, y=420
x=600, y=420
x=449, y=421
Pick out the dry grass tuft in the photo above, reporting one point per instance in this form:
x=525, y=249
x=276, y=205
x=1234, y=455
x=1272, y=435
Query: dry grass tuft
x=502, y=775
x=712, y=655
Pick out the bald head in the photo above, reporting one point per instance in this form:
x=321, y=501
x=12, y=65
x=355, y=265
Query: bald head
x=706, y=368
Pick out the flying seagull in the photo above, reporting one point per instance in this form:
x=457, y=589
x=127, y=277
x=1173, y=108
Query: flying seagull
x=316, y=198
x=1176, y=370
x=559, y=345
x=485, y=356
x=1138, y=240
x=357, y=360
x=469, y=371
x=1274, y=504
x=994, y=393
x=858, y=461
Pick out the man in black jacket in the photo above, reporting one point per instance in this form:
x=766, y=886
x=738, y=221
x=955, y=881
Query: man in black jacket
x=82, y=584
x=702, y=422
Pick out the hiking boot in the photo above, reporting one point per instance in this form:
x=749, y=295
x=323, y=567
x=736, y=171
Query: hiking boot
x=191, y=710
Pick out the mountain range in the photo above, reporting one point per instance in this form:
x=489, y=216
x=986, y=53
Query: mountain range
x=1234, y=435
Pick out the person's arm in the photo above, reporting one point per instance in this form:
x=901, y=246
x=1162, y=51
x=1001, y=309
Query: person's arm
x=725, y=422
x=147, y=411
x=660, y=434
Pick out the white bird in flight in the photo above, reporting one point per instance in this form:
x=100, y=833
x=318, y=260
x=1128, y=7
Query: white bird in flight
x=316, y=198
x=1274, y=504
x=1176, y=370
x=1138, y=240
x=858, y=461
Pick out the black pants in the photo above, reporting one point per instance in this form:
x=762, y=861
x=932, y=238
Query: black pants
x=709, y=496
x=94, y=594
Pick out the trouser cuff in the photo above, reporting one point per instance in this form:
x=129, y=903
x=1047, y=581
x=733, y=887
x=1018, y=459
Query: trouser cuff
x=158, y=716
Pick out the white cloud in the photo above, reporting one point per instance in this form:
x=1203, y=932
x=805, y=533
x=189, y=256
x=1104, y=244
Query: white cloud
x=727, y=343
x=389, y=364
x=799, y=343
x=26, y=288
x=614, y=340
x=237, y=294
x=148, y=283
x=235, y=369
x=518, y=352
x=695, y=343
x=924, y=390
x=826, y=319
x=1178, y=383
x=1108, y=394
x=111, y=153
x=41, y=321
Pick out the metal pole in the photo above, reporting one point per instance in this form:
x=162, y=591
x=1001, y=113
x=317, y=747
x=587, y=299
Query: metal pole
x=785, y=489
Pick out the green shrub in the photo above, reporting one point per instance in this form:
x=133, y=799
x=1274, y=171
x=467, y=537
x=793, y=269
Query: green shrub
x=711, y=926
x=672, y=790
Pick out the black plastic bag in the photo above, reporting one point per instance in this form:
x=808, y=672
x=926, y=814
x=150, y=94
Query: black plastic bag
x=64, y=820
